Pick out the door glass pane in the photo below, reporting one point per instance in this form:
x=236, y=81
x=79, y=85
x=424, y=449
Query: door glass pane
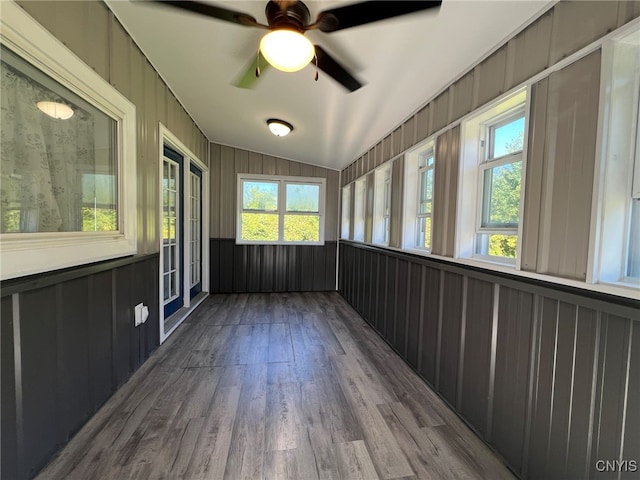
x=195, y=232
x=165, y=281
x=171, y=256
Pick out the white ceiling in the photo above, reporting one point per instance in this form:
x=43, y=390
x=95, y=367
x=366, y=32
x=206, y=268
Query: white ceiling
x=403, y=62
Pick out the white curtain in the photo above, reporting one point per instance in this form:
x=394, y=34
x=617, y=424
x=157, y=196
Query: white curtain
x=41, y=159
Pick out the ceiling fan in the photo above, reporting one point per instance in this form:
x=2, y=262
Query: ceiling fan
x=286, y=48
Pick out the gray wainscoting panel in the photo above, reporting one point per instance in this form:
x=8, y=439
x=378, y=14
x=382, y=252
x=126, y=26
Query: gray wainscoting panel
x=451, y=320
x=477, y=353
x=68, y=343
x=547, y=375
x=430, y=298
x=8, y=414
x=271, y=268
x=515, y=323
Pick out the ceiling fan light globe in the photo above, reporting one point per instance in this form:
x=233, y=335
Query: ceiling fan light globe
x=287, y=50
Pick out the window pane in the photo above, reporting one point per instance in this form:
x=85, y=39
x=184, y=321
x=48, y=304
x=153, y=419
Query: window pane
x=507, y=138
x=387, y=197
x=260, y=226
x=426, y=191
x=501, y=196
x=346, y=211
x=303, y=198
x=58, y=158
x=426, y=159
x=423, y=237
x=497, y=245
x=259, y=196
x=633, y=265
x=301, y=228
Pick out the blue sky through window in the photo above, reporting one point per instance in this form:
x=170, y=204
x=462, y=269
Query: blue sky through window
x=507, y=136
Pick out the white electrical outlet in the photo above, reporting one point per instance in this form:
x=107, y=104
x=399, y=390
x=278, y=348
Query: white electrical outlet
x=137, y=314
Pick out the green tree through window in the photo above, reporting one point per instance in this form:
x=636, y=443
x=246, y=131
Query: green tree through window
x=264, y=219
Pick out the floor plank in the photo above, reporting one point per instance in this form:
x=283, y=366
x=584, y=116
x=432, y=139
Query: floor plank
x=275, y=386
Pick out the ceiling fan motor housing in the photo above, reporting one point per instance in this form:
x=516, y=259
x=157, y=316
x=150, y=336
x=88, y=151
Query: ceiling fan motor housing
x=291, y=15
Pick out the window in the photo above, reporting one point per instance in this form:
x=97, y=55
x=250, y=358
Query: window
x=616, y=234
x=346, y=212
x=382, y=205
x=488, y=219
x=500, y=176
x=68, y=182
x=280, y=210
x=425, y=200
x=359, y=209
x=418, y=220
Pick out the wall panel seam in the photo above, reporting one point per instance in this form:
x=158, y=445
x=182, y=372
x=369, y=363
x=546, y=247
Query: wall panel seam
x=492, y=361
x=17, y=362
x=461, y=344
x=439, y=330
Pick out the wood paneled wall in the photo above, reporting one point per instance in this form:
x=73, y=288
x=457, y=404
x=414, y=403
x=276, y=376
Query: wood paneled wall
x=91, y=31
x=560, y=170
x=266, y=268
x=227, y=162
x=68, y=343
x=564, y=29
x=68, y=340
x=550, y=378
x=561, y=141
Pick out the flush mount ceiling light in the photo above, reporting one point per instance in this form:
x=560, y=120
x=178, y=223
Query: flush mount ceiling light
x=279, y=128
x=287, y=50
x=56, y=110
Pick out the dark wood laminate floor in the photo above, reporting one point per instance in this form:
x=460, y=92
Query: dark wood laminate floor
x=275, y=386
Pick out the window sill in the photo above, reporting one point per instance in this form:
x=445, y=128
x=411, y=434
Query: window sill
x=309, y=244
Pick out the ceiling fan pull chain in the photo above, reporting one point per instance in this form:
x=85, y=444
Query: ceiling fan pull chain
x=258, y=64
x=316, y=62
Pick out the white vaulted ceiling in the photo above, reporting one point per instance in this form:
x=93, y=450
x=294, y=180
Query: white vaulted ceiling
x=403, y=62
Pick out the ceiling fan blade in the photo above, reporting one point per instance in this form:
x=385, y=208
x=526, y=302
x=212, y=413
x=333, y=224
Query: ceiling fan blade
x=212, y=11
x=328, y=65
x=362, y=13
x=248, y=79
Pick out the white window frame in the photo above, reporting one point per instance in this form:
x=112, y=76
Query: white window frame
x=413, y=172
x=359, y=209
x=345, y=224
x=617, y=170
x=489, y=162
x=28, y=253
x=281, y=211
x=474, y=161
x=382, y=205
